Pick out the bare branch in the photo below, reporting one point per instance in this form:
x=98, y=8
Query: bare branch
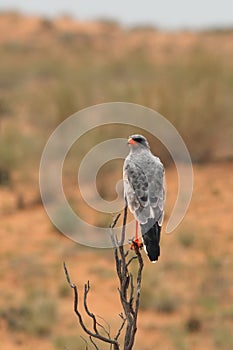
x=129, y=301
x=124, y=227
x=67, y=276
x=91, y=334
x=86, y=290
x=130, y=260
x=113, y=224
x=129, y=294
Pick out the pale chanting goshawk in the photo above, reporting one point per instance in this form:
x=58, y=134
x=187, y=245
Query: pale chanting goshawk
x=144, y=193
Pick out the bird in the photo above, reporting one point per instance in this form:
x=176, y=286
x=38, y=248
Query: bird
x=144, y=193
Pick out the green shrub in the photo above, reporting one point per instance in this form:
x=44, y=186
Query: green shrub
x=35, y=315
x=162, y=301
x=186, y=238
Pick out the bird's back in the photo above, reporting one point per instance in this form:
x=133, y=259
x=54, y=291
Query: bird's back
x=144, y=186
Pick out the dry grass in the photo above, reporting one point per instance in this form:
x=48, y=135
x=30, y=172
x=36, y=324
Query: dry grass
x=182, y=76
x=35, y=315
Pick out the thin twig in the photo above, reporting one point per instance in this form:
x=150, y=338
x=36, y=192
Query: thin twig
x=113, y=224
x=86, y=343
x=124, y=227
x=130, y=260
x=104, y=329
x=112, y=236
x=92, y=334
x=86, y=291
x=121, y=327
x=94, y=344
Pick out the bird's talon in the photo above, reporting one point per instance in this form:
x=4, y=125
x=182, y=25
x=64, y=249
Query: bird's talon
x=137, y=243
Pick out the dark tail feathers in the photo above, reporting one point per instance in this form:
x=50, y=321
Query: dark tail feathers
x=151, y=238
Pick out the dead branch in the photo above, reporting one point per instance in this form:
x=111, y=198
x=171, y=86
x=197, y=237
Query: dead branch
x=129, y=297
x=95, y=332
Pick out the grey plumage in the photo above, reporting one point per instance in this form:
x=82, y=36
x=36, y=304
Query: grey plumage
x=144, y=192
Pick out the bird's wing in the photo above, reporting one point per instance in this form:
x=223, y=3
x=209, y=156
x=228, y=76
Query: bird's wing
x=135, y=186
x=144, y=190
x=155, y=174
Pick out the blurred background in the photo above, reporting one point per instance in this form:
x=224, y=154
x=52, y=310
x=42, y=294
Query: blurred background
x=58, y=58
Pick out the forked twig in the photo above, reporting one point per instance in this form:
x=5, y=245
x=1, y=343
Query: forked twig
x=129, y=295
x=95, y=333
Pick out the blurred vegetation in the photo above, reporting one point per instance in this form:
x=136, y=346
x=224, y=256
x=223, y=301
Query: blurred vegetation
x=187, y=77
x=68, y=342
x=35, y=315
x=159, y=302
x=43, y=81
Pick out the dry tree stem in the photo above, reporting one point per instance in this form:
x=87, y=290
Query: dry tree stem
x=129, y=299
x=128, y=296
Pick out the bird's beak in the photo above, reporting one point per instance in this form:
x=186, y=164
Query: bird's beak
x=131, y=141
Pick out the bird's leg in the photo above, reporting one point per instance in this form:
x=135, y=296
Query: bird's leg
x=136, y=235
x=136, y=240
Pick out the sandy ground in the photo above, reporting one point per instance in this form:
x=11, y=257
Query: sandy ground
x=32, y=253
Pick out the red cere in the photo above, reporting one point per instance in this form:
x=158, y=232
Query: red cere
x=131, y=142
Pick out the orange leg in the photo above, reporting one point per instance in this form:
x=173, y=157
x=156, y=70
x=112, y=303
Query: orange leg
x=136, y=240
x=136, y=235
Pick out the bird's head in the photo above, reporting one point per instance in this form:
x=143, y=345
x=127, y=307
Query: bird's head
x=138, y=142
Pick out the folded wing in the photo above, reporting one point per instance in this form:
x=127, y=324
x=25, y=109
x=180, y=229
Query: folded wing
x=144, y=189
